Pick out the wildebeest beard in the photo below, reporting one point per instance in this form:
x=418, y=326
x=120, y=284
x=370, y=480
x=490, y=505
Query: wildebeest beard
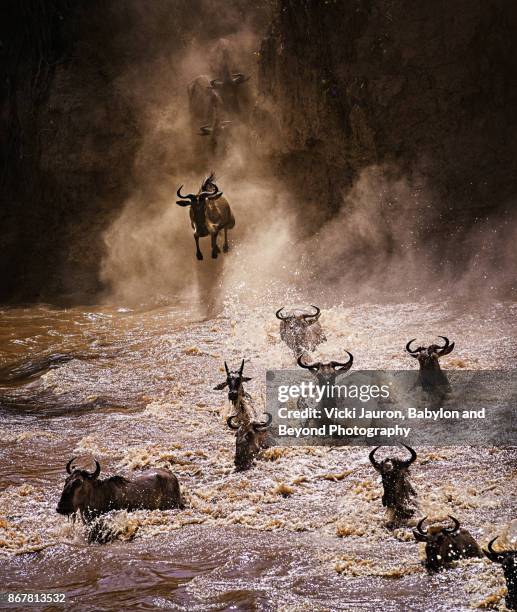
x=200, y=219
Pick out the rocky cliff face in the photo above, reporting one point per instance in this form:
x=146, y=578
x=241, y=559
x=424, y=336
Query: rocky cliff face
x=71, y=117
x=70, y=139
x=426, y=88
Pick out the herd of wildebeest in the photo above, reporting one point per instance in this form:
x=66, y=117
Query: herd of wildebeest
x=86, y=494
x=214, y=103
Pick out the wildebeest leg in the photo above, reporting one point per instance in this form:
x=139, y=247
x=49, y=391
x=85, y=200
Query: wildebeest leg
x=226, y=246
x=199, y=255
x=215, y=248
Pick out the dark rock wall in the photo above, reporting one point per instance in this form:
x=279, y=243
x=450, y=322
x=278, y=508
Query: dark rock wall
x=424, y=87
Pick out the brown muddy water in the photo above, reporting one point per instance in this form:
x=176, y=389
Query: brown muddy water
x=302, y=530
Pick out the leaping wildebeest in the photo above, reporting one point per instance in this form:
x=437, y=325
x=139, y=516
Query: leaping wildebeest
x=301, y=331
x=249, y=439
x=398, y=492
x=204, y=101
x=156, y=489
x=431, y=377
x=443, y=545
x=229, y=87
x=209, y=214
x=508, y=561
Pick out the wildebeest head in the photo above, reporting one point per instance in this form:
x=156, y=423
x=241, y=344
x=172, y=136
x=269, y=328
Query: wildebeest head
x=301, y=330
x=198, y=200
x=446, y=544
x=234, y=380
x=249, y=439
x=77, y=489
x=508, y=560
x=327, y=372
x=397, y=488
x=428, y=356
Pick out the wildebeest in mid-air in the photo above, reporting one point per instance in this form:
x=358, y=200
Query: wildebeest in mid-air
x=210, y=214
x=300, y=330
x=508, y=561
x=431, y=377
x=443, y=545
x=215, y=131
x=156, y=489
x=249, y=439
x=398, y=493
x=229, y=87
x=204, y=101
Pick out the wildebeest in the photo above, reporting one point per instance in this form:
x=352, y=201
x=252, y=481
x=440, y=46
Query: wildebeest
x=431, y=377
x=204, y=101
x=446, y=544
x=249, y=439
x=325, y=373
x=508, y=561
x=209, y=214
x=229, y=88
x=216, y=131
x=398, y=492
x=236, y=393
x=156, y=489
x=301, y=331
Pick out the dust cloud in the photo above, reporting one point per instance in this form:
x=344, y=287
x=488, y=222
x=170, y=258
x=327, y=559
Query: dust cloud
x=386, y=239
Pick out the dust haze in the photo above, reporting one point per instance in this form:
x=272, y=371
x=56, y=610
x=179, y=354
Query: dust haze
x=383, y=241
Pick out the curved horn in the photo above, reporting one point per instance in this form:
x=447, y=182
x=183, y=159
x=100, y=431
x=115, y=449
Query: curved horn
x=210, y=195
x=278, y=314
x=419, y=527
x=239, y=78
x=409, y=461
x=69, y=465
x=343, y=366
x=226, y=368
x=189, y=196
x=316, y=314
x=374, y=461
x=308, y=366
x=229, y=422
x=262, y=426
x=95, y=474
x=492, y=554
x=408, y=348
x=242, y=368
x=445, y=350
x=456, y=525
x=446, y=342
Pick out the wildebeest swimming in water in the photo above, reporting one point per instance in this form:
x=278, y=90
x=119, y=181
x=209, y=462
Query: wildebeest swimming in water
x=431, y=377
x=398, y=493
x=443, y=545
x=325, y=374
x=236, y=393
x=156, y=489
x=301, y=331
x=249, y=439
x=508, y=560
x=209, y=214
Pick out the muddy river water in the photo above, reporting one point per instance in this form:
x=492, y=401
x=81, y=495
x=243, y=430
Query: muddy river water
x=303, y=530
